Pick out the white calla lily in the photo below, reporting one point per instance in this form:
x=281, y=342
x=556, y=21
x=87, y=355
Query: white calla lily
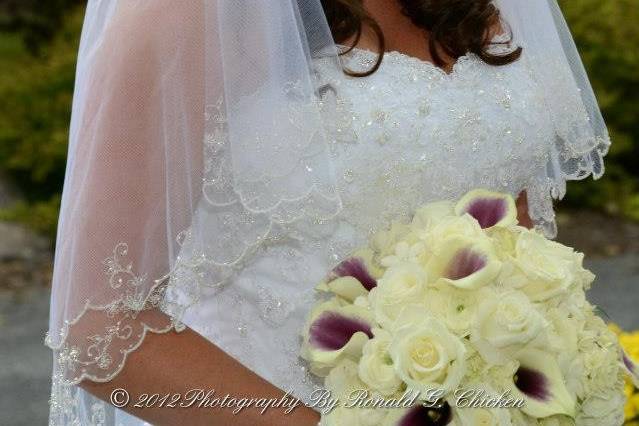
x=335, y=331
x=348, y=288
x=438, y=413
x=464, y=263
x=540, y=383
x=488, y=208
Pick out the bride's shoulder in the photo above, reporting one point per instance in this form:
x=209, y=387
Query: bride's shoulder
x=143, y=38
x=139, y=27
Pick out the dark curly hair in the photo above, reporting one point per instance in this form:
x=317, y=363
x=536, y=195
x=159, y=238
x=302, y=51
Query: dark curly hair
x=457, y=27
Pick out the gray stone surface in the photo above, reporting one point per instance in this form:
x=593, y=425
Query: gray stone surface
x=25, y=363
x=8, y=194
x=616, y=289
x=20, y=243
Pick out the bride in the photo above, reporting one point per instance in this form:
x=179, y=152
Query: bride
x=224, y=154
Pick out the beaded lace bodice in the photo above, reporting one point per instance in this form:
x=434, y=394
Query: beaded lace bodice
x=412, y=133
x=408, y=134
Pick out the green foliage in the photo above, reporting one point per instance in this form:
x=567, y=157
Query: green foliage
x=35, y=21
x=40, y=216
x=607, y=33
x=36, y=93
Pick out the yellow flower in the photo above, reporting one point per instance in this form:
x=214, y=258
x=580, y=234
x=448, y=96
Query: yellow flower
x=630, y=343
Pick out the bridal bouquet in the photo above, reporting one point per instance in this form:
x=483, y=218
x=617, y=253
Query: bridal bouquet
x=463, y=317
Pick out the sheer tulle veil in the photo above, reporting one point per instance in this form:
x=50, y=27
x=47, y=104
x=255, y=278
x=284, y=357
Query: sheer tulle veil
x=582, y=138
x=196, y=128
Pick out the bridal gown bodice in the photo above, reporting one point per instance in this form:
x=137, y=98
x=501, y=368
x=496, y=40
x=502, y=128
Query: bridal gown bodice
x=407, y=134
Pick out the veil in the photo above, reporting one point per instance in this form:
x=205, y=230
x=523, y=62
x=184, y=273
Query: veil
x=195, y=125
x=196, y=129
x=582, y=138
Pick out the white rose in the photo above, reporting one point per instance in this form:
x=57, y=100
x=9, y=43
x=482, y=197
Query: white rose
x=505, y=240
x=401, y=285
x=354, y=416
x=504, y=325
x=383, y=242
x=548, y=268
x=407, y=253
x=425, y=354
x=430, y=214
x=376, y=366
x=452, y=226
x=482, y=417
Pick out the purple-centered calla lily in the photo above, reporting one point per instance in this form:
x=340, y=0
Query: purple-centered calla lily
x=335, y=331
x=465, y=263
x=436, y=414
x=355, y=267
x=353, y=277
x=427, y=416
x=540, y=383
x=488, y=208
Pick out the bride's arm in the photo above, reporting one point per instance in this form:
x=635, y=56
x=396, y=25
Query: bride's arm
x=522, y=211
x=174, y=363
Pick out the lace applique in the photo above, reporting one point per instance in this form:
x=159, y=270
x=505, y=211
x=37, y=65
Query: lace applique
x=69, y=407
x=101, y=354
x=122, y=328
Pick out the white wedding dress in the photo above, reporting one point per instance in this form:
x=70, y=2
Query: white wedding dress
x=405, y=135
x=408, y=134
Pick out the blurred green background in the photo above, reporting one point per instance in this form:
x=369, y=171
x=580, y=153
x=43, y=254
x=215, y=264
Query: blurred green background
x=38, y=45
